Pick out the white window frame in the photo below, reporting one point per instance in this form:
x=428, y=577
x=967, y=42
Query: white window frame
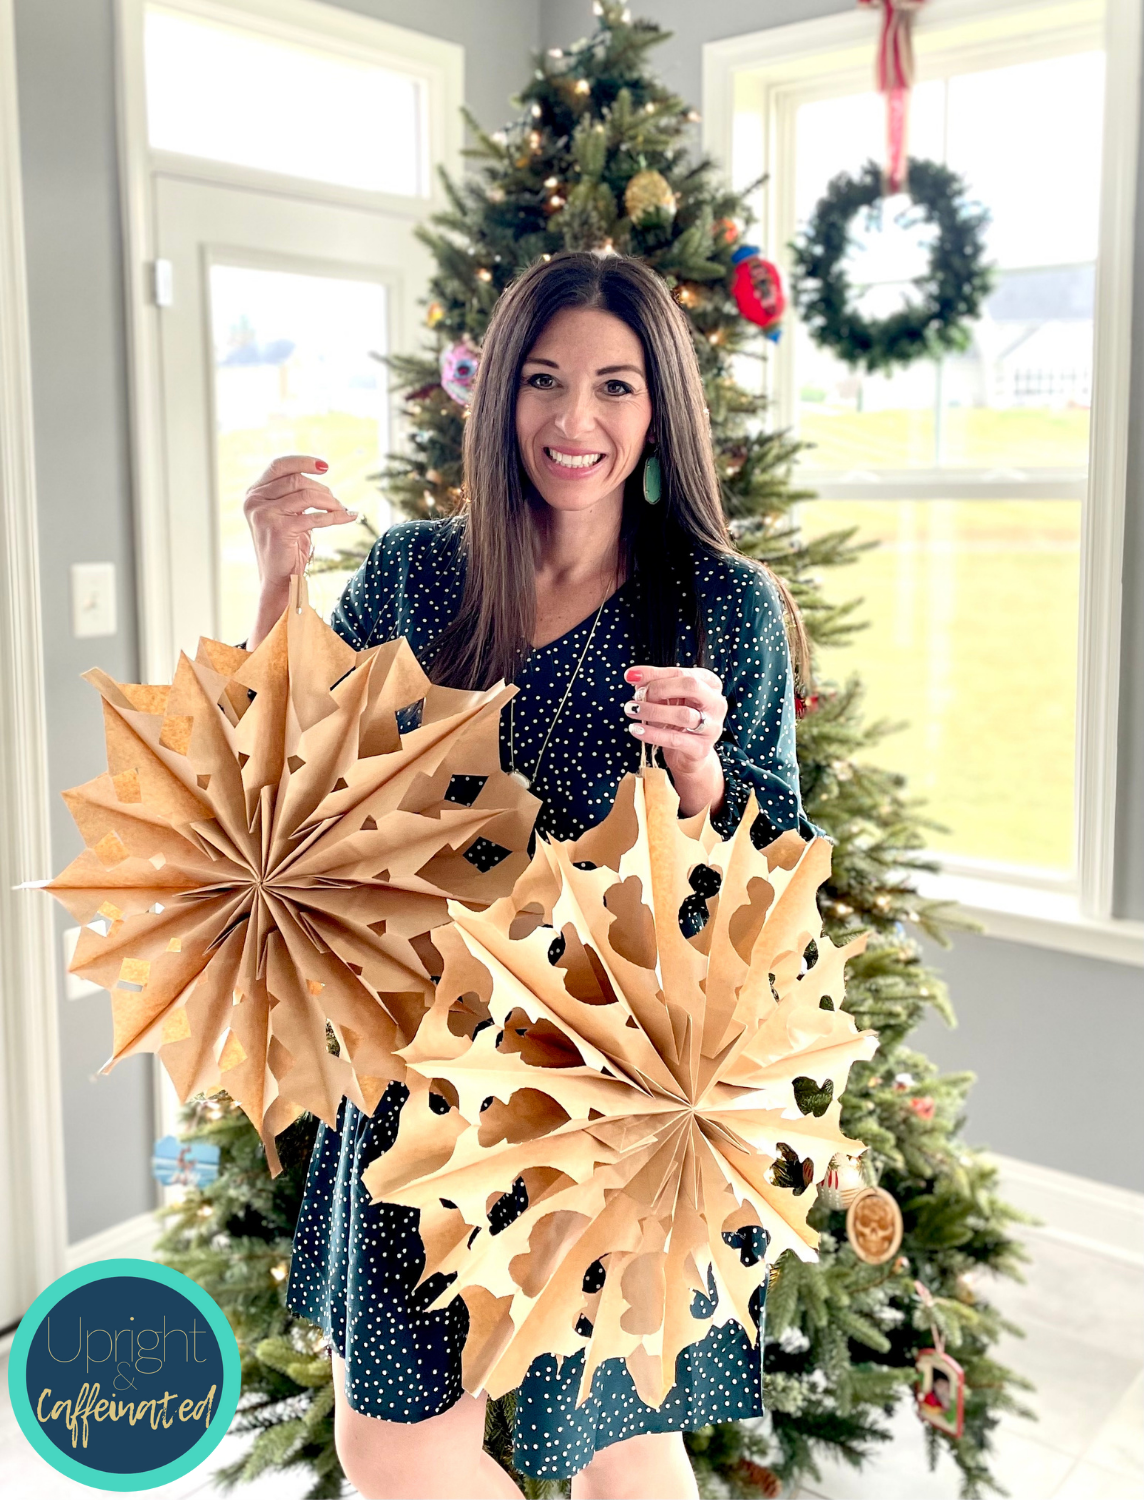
x=440, y=67
x=1073, y=914
x=30, y=1090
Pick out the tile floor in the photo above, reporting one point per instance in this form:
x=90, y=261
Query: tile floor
x=1083, y=1316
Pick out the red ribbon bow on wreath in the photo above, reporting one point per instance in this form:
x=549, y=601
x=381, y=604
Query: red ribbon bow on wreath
x=894, y=75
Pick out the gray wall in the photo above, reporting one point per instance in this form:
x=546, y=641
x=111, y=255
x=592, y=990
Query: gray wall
x=66, y=69
x=1014, y=1002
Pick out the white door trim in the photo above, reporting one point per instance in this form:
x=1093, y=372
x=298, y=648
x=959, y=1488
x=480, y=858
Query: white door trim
x=29, y=1049
x=439, y=64
x=787, y=58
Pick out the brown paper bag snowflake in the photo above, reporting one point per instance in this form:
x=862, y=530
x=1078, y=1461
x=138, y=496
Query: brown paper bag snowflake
x=631, y=1103
x=267, y=853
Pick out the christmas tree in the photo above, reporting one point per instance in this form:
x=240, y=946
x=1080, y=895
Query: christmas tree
x=599, y=158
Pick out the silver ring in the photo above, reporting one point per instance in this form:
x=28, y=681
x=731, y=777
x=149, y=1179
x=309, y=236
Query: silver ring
x=698, y=728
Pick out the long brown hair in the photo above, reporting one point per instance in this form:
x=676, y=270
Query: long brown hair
x=490, y=636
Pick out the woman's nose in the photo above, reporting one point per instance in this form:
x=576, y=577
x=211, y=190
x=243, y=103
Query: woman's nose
x=576, y=417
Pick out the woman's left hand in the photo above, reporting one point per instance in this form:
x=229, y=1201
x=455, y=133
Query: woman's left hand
x=682, y=710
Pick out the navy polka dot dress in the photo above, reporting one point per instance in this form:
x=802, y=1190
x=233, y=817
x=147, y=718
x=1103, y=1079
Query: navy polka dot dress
x=356, y=1264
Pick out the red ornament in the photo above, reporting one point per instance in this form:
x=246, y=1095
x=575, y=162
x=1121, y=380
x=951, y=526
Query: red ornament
x=804, y=706
x=923, y=1107
x=726, y=229
x=758, y=289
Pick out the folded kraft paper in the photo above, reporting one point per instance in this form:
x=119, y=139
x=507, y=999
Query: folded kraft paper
x=267, y=854
x=633, y=1064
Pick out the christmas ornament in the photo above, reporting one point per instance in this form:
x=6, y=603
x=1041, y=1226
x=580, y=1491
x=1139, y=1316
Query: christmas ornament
x=758, y=1477
x=459, y=365
x=940, y=1395
x=689, y=294
x=649, y=200
x=924, y=1107
x=941, y=1391
x=726, y=230
x=607, y=1143
x=757, y=289
x=842, y=1184
x=267, y=854
x=874, y=1226
x=434, y=313
x=951, y=292
x=176, y=1163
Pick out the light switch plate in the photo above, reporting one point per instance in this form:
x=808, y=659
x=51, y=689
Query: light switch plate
x=93, y=599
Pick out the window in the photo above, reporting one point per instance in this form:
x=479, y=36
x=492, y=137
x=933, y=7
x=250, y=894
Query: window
x=297, y=369
x=972, y=601
x=992, y=481
x=238, y=96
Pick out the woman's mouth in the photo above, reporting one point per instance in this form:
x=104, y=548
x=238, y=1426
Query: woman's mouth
x=572, y=463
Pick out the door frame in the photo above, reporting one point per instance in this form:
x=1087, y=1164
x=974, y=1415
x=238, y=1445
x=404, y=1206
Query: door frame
x=440, y=66
x=32, y=1124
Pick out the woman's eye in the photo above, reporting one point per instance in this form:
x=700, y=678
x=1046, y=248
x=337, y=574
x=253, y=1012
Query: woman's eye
x=618, y=388
x=532, y=381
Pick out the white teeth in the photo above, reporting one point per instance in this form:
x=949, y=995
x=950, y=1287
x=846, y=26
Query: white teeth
x=574, y=460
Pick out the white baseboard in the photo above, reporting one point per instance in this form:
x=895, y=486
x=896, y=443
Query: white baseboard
x=134, y=1238
x=1093, y=1216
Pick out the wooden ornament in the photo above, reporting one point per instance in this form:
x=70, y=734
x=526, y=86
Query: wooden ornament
x=874, y=1226
x=940, y=1396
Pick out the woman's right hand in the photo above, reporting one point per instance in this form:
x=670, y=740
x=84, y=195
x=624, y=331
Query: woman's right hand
x=282, y=508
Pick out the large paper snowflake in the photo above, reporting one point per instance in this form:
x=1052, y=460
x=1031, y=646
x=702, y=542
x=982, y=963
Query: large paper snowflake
x=624, y=1091
x=267, y=853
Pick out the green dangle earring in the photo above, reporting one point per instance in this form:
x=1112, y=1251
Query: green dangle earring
x=652, y=479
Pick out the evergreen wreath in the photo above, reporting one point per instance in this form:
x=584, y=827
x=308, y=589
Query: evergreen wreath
x=953, y=287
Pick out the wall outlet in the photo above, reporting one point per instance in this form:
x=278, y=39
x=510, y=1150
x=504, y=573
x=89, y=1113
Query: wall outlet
x=93, y=599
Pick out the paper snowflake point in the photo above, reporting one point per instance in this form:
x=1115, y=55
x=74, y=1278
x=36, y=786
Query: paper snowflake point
x=268, y=854
x=625, y=1086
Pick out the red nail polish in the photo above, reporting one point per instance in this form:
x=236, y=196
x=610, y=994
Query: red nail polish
x=321, y=466
x=633, y=674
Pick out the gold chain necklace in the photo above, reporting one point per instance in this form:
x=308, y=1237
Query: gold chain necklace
x=519, y=776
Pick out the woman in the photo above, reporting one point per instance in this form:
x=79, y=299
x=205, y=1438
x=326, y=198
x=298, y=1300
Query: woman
x=592, y=566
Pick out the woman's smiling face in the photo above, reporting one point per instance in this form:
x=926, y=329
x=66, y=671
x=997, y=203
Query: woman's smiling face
x=582, y=409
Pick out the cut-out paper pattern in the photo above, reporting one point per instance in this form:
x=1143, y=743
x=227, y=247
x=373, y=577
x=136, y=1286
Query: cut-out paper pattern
x=268, y=853
x=618, y=1102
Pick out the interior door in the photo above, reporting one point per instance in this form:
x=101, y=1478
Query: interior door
x=277, y=310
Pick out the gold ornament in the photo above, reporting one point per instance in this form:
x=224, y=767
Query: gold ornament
x=874, y=1226
x=268, y=853
x=688, y=294
x=649, y=200
x=434, y=313
x=635, y=1092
